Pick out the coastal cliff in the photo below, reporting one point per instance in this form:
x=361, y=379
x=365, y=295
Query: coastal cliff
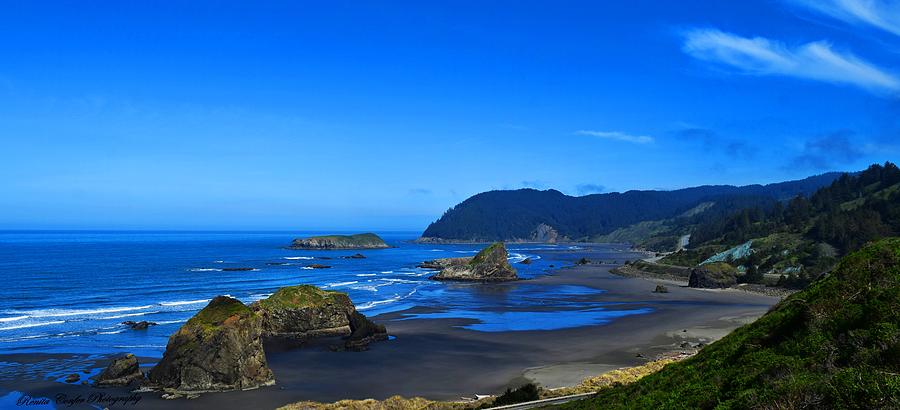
x=491, y=264
x=358, y=241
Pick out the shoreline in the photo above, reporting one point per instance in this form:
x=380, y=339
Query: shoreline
x=439, y=359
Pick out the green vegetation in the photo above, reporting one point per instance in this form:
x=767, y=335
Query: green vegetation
x=301, y=296
x=357, y=241
x=507, y=215
x=218, y=311
x=528, y=392
x=483, y=255
x=804, y=237
x=835, y=344
x=660, y=269
x=720, y=268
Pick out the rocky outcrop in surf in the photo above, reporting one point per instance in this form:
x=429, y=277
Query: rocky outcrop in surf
x=358, y=241
x=491, y=264
x=122, y=371
x=218, y=349
x=305, y=312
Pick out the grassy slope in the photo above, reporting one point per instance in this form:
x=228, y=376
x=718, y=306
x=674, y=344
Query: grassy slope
x=302, y=296
x=361, y=239
x=834, y=345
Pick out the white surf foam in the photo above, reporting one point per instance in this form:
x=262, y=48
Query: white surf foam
x=128, y=315
x=366, y=274
x=183, y=302
x=76, y=312
x=55, y=322
x=387, y=272
x=204, y=270
x=169, y=322
x=294, y=258
x=12, y=319
x=374, y=303
x=339, y=284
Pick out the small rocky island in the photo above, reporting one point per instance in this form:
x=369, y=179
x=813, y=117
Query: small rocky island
x=305, y=312
x=358, y=241
x=491, y=264
x=221, y=347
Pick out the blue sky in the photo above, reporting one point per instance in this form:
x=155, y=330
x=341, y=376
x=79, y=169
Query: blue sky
x=346, y=115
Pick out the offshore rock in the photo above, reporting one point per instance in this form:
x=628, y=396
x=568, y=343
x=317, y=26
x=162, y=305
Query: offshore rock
x=491, y=264
x=358, y=241
x=218, y=349
x=305, y=312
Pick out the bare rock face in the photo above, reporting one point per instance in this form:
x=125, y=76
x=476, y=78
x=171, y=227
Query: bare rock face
x=304, y=312
x=121, y=372
x=713, y=275
x=491, y=264
x=544, y=233
x=218, y=349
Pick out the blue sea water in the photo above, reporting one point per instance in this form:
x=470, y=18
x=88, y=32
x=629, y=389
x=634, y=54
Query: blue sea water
x=68, y=292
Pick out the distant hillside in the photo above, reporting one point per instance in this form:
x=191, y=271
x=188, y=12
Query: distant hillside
x=835, y=345
x=801, y=238
x=532, y=215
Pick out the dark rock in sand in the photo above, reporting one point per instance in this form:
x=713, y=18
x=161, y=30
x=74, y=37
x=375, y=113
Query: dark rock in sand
x=318, y=266
x=526, y=261
x=73, y=378
x=363, y=332
x=661, y=289
x=713, y=275
x=358, y=241
x=491, y=264
x=142, y=325
x=218, y=349
x=242, y=269
x=305, y=312
x=583, y=261
x=122, y=371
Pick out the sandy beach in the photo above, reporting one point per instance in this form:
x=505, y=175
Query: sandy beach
x=439, y=359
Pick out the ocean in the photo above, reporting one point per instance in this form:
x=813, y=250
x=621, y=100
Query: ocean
x=69, y=292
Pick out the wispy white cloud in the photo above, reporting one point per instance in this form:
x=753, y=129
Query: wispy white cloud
x=883, y=14
x=813, y=61
x=618, y=136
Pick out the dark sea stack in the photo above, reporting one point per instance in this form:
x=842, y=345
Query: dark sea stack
x=122, y=371
x=714, y=275
x=363, y=332
x=318, y=266
x=142, y=325
x=241, y=269
x=526, y=261
x=358, y=241
x=73, y=378
x=355, y=256
x=305, y=312
x=219, y=349
x=491, y=264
